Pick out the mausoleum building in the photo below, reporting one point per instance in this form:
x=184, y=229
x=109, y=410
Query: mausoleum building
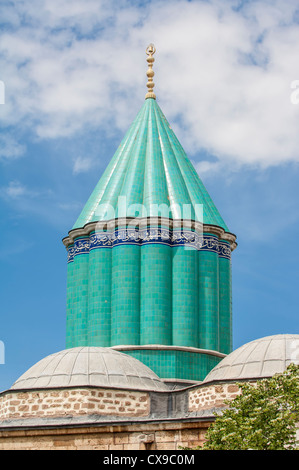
x=148, y=361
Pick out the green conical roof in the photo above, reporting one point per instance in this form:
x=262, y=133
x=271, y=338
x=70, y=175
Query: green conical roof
x=150, y=168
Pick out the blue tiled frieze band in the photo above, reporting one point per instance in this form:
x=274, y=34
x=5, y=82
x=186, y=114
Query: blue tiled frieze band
x=131, y=236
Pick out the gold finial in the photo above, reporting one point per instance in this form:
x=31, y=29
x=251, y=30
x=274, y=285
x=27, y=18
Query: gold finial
x=150, y=50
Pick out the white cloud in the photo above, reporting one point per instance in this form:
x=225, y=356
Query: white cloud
x=10, y=148
x=82, y=165
x=223, y=75
x=23, y=200
x=207, y=167
x=16, y=190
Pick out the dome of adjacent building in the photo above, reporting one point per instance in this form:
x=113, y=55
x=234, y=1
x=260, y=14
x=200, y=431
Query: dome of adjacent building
x=89, y=366
x=260, y=358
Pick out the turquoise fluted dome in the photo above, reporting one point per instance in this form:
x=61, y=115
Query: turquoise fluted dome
x=160, y=290
x=150, y=168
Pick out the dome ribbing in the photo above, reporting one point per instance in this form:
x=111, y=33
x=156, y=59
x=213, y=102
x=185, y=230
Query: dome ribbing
x=150, y=168
x=89, y=366
x=260, y=358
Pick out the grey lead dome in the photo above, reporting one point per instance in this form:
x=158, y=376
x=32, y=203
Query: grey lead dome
x=260, y=358
x=89, y=366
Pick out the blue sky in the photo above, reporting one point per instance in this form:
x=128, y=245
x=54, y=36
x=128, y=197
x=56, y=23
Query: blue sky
x=227, y=79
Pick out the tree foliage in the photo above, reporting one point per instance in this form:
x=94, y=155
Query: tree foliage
x=262, y=417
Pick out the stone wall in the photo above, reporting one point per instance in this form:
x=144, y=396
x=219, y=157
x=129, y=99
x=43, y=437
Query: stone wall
x=148, y=436
x=113, y=402
x=53, y=403
x=211, y=396
x=156, y=420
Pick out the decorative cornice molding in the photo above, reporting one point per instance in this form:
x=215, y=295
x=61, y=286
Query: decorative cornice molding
x=149, y=235
x=151, y=222
x=163, y=347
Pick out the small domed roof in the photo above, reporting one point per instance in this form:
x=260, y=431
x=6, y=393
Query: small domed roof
x=89, y=366
x=260, y=358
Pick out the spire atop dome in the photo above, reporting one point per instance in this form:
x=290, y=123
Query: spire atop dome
x=150, y=50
